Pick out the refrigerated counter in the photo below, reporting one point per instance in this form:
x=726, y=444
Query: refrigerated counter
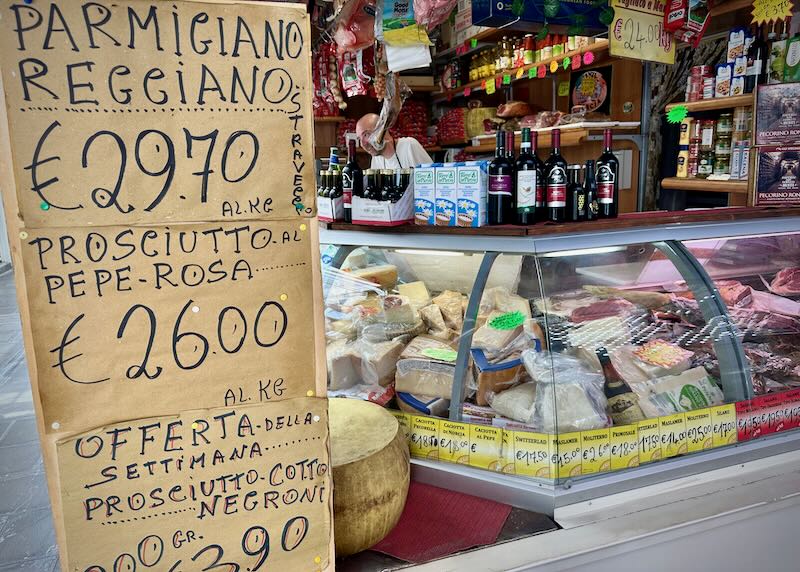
x=487, y=347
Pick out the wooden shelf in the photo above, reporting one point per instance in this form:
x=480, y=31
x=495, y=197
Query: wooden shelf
x=569, y=138
x=600, y=45
x=330, y=119
x=483, y=38
x=422, y=88
x=624, y=221
x=745, y=100
x=729, y=6
x=695, y=184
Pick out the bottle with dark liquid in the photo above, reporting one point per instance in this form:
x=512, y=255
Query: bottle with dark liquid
x=623, y=403
x=529, y=179
x=510, y=146
x=757, y=57
x=500, y=185
x=372, y=190
x=352, y=181
x=574, y=192
x=607, y=177
x=556, y=181
x=336, y=189
x=590, y=191
x=323, y=183
x=387, y=184
x=403, y=181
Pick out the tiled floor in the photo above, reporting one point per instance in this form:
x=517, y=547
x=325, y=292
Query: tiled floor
x=27, y=539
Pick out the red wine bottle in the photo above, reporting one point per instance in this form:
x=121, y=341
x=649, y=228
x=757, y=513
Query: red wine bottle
x=607, y=176
x=352, y=180
x=556, y=181
x=529, y=180
x=500, y=184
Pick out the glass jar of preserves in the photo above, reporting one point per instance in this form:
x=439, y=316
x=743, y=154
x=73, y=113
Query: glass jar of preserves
x=707, y=130
x=722, y=164
x=725, y=124
x=705, y=163
x=527, y=49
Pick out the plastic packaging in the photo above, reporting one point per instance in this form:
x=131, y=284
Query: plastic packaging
x=569, y=397
x=356, y=27
x=396, y=94
x=431, y=13
x=517, y=403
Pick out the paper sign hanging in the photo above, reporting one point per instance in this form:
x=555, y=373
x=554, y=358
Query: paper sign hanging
x=576, y=62
x=520, y=73
x=588, y=58
x=490, y=87
x=531, y=73
x=553, y=66
x=639, y=33
x=563, y=88
x=541, y=71
x=467, y=91
x=766, y=11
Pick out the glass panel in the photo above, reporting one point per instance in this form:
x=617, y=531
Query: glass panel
x=393, y=318
x=758, y=278
x=632, y=350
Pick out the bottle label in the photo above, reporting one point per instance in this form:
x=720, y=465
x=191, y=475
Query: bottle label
x=624, y=409
x=753, y=67
x=793, y=53
x=347, y=184
x=526, y=190
x=581, y=202
x=500, y=185
x=605, y=184
x=540, y=196
x=556, y=187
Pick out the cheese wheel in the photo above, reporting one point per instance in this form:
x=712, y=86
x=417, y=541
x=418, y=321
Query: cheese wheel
x=371, y=473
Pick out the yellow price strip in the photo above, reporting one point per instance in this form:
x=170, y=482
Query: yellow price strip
x=532, y=455
x=425, y=437
x=486, y=446
x=454, y=442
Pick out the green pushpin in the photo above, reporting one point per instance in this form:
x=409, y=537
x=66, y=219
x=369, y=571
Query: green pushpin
x=45, y=206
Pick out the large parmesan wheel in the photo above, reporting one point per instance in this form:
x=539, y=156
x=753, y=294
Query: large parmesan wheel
x=371, y=473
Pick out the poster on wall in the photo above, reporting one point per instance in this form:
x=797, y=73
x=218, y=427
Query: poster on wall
x=158, y=189
x=592, y=88
x=778, y=114
x=777, y=175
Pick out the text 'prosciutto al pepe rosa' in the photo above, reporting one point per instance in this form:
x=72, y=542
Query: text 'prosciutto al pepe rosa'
x=371, y=473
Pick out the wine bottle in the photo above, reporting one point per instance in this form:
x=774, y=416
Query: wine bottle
x=323, y=183
x=352, y=180
x=500, y=184
x=590, y=190
x=574, y=191
x=541, y=195
x=529, y=179
x=510, y=146
x=387, y=184
x=623, y=403
x=556, y=181
x=757, y=55
x=607, y=176
x=372, y=191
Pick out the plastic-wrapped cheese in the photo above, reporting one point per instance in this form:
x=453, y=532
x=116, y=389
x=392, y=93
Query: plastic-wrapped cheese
x=371, y=473
x=515, y=403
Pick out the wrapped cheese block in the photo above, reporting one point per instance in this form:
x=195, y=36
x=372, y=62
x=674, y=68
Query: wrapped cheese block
x=371, y=473
x=493, y=340
x=432, y=316
x=422, y=404
x=517, y=403
x=382, y=332
x=426, y=367
x=565, y=407
x=690, y=390
x=499, y=298
x=379, y=361
x=449, y=303
x=494, y=377
x=398, y=310
x=344, y=365
x=384, y=275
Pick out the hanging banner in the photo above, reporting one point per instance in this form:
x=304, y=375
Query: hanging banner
x=139, y=112
x=637, y=31
x=233, y=489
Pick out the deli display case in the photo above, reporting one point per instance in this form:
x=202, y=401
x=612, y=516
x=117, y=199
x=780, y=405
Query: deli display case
x=546, y=370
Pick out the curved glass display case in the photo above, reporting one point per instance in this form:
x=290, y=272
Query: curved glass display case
x=569, y=366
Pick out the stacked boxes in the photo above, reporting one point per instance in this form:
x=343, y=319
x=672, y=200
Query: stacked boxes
x=425, y=194
x=451, y=194
x=473, y=183
x=446, y=194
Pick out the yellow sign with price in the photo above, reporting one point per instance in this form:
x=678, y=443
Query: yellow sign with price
x=638, y=32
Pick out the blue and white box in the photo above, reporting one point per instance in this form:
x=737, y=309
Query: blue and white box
x=446, y=194
x=473, y=185
x=425, y=194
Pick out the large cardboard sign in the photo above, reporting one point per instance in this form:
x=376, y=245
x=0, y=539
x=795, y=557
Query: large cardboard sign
x=150, y=111
x=230, y=488
x=158, y=189
x=195, y=315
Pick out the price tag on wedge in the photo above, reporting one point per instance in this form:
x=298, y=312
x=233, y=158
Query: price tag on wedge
x=507, y=321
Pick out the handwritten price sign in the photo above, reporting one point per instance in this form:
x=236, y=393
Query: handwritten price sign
x=766, y=11
x=638, y=32
x=219, y=489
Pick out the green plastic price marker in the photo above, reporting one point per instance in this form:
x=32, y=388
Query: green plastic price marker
x=507, y=79
x=507, y=321
x=567, y=61
x=531, y=73
x=677, y=114
x=490, y=87
x=440, y=354
x=473, y=42
x=520, y=73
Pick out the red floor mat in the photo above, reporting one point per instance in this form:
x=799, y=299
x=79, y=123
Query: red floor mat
x=437, y=522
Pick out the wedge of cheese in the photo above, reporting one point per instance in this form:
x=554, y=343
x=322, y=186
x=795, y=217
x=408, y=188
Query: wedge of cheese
x=450, y=304
x=379, y=361
x=492, y=340
x=384, y=275
x=344, y=365
x=417, y=292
